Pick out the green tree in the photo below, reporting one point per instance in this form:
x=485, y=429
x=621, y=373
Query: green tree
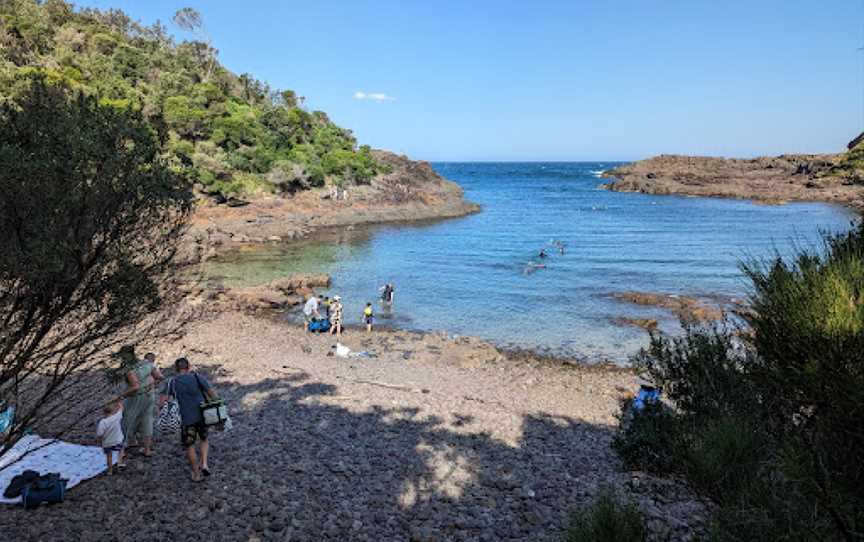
x=90, y=221
x=766, y=417
x=182, y=92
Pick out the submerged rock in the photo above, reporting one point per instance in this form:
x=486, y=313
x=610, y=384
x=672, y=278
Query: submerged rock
x=648, y=324
x=687, y=309
x=303, y=280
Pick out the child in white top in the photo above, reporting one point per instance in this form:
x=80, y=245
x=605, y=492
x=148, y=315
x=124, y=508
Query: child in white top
x=110, y=432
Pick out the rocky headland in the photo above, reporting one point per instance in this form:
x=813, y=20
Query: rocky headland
x=411, y=191
x=833, y=178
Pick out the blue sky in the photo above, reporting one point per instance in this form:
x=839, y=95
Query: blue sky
x=555, y=80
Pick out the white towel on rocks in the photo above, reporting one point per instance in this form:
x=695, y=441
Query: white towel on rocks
x=74, y=462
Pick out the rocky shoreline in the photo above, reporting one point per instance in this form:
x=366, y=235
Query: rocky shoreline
x=772, y=180
x=411, y=192
x=434, y=438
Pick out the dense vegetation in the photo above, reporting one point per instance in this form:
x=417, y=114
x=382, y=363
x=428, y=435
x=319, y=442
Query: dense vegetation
x=851, y=165
x=91, y=216
x=607, y=519
x=230, y=133
x=765, y=414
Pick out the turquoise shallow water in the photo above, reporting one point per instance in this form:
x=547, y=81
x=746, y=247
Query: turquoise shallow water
x=468, y=275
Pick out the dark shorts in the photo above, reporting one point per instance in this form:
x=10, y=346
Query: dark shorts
x=190, y=433
x=369, y=320
x=109, y=449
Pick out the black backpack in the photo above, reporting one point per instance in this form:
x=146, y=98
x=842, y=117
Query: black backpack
x=19, y=482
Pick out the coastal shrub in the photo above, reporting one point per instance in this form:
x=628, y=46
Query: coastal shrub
x=649, y=439
x=703, y=372
x=722, y=456
x=607, y=519
x=90, y=221
x=808, y=330
x=765, y=418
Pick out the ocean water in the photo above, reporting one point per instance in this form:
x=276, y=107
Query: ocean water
x=468, y=275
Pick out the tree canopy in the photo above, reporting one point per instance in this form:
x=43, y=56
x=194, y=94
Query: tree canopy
x=230, y=133
x=90, y=220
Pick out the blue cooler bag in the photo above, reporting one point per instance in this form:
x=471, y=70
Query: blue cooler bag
x=48, y=489
x=646, y=395
x=320, y=326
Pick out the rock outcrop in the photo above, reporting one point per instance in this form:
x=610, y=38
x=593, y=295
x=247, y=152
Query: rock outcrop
x=411, y=191
x=687, y=309
x=648, y=324
x=805, y=177
x=280, y=294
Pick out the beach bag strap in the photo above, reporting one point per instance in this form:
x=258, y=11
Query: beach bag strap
x=200, y=386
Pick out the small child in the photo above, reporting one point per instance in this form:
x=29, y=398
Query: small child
x=110, y=432
x=368, y=317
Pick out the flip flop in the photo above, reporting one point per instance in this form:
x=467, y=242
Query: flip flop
x=205, y=472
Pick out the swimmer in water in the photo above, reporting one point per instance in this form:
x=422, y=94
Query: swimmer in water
x=560, y=245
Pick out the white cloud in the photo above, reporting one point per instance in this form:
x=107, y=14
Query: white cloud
x=374, y=96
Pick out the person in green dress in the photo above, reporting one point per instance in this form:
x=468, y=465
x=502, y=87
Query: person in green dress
x=139, y=397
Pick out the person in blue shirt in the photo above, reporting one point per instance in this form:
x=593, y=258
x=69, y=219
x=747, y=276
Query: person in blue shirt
x=191, y=389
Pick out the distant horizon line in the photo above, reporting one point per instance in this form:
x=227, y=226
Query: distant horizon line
x=741, y=156
x=619, y=160
x=527, y=161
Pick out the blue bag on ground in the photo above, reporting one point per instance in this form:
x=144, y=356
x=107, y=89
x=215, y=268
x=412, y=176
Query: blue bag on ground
x=49, y=489
x=647, y=394
x=319, y=325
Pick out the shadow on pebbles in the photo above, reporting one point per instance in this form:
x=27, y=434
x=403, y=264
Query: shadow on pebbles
x=421, y=443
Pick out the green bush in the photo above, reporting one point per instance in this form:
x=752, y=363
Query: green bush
x=703, y=372
x=766, y=420
x=722, y=456
x=607, y=519
x=649, y=439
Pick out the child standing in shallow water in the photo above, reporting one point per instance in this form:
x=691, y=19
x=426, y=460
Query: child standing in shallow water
x=368, y=317
x=110, y=432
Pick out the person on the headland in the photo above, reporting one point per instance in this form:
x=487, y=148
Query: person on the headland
x=387, y=293
x=336, y=316
x=310, y=311
x=191, y=389
x=140, y=398
x=368, y=317
x=109, y=431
